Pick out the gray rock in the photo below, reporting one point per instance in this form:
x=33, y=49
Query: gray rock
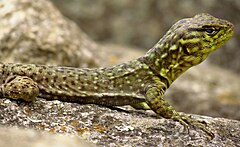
x=109, y=127
x=36, y=32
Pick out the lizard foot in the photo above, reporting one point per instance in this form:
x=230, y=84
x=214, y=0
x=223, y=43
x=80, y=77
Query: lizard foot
x=187, y=120
x=19, y=87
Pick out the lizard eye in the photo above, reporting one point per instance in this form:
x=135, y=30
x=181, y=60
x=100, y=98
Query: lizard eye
x=210, y=31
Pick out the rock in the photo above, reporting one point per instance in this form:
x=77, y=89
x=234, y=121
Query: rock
x=36, y=32
x=108, y=127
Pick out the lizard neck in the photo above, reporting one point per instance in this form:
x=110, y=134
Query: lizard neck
x=165, y=59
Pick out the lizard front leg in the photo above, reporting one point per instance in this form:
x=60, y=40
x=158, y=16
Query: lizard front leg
x=19, y=87
x=154, y=97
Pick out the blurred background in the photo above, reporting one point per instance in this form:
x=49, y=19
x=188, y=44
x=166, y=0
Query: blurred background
x=142, y=23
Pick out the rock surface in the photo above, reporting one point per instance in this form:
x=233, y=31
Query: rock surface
x=108, y=127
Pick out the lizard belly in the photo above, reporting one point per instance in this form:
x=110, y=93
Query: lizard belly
x=108, y=99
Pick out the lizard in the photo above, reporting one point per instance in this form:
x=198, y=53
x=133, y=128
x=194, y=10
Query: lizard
x=140, y=83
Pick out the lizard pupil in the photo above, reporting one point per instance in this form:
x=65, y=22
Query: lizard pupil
x=210, y=31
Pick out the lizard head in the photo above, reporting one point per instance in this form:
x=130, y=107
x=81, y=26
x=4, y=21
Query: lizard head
x=187, y=43
x=193, y=39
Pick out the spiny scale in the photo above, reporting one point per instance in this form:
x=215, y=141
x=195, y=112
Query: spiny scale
x=140, y=83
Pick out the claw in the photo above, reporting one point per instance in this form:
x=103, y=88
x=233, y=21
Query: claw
x=187, y=120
